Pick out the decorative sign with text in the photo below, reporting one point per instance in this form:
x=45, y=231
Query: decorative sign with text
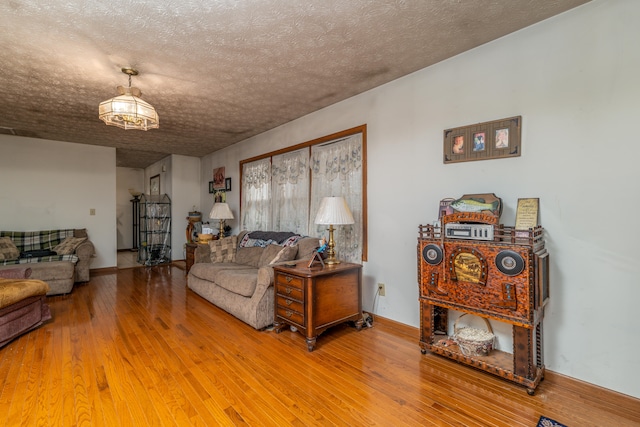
x=527, y=214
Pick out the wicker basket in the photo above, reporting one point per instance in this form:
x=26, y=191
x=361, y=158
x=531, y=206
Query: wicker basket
x=473, y=341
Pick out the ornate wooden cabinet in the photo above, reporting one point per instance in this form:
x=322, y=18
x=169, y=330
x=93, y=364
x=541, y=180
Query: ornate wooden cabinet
x=503, y=278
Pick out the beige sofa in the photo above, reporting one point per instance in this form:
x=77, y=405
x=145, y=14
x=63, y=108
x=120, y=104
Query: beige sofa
x=239, y=280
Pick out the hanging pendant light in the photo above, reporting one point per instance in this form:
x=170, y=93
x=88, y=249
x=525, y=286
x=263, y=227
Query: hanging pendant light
x=128, y=111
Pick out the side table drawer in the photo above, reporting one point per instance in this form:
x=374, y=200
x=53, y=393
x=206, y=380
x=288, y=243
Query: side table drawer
x=291, y=315
x=290, y=304
x=289, y=291
x=288, y=280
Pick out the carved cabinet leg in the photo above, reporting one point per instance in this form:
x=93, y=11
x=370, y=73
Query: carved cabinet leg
x=311, y=343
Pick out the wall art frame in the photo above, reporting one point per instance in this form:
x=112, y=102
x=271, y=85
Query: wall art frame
x=227, y=184
x=218, y=178
x=211, y=190
x=483, y=141
x=220, y=196
x=154, y=185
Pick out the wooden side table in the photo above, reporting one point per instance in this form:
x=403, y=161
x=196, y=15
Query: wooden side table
x=314, y=299
x=191, y=256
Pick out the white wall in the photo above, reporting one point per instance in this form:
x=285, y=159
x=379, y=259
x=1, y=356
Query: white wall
x=126, y=178
x=51, y=184
x=185, y=195
x=573, y=78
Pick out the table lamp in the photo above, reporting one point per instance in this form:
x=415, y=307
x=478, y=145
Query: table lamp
x=221, y=211
x=333, y=211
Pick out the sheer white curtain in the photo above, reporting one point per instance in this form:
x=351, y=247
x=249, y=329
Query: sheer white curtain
x=336, y=169
x=290, y=191
x=256, y=195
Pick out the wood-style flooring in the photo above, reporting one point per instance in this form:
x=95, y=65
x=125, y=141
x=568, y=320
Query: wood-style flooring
x=135, y=347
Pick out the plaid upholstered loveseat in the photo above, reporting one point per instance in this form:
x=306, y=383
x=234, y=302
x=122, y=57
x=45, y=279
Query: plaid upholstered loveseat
x=48, y=253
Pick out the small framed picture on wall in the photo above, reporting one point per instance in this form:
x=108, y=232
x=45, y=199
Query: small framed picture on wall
x=154, y=185
x=218, y=178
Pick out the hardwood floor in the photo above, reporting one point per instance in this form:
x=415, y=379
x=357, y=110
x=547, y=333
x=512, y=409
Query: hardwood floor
x=135, y=347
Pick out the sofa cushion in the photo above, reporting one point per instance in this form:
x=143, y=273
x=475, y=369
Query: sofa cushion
x=288, y=253
x=237, y=278
x=224, y=250
x=8, y=249
x=209, y=271
x=69, y=245
x=249, y=256
x=268, y=254
x=239, y=281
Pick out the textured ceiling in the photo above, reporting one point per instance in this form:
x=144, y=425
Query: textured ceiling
x=220, y=71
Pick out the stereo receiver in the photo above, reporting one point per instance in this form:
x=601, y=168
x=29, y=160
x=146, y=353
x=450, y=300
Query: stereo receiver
x=468, y=231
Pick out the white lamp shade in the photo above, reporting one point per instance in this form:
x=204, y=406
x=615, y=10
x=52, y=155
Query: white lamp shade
x=220, y=211
x=334, y=210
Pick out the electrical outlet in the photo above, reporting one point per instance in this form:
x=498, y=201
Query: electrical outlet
x=381, y=290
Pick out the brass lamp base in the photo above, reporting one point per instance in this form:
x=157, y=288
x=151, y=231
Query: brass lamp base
x=331, y=253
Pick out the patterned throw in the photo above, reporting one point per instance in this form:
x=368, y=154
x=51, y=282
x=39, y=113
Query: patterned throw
x=14, y=290
x=548, y=422
x=27, y=241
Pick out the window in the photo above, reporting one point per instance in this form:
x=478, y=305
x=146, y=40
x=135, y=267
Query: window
x=256, y=195
x=281, y=191
x=290, y=191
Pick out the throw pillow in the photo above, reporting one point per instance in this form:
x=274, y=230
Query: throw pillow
x=80, y=232
x=268, y=254
x=68, y=246
x=288, y=253
x=249, y=256
x=8, y=249
x=224, y=250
